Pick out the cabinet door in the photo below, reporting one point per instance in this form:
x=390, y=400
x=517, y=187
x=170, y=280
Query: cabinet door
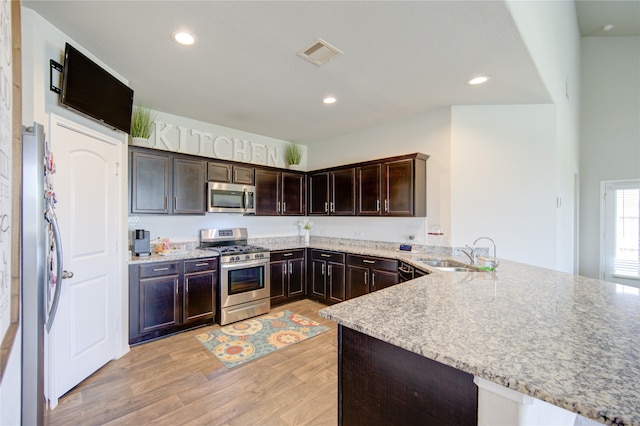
x=158, y=303
x=296, y=277
x=343, y=192
x=382, y=279
x=267, y=192
x=369, y=190
x=336, y=275
x=318, y=280
x=293, y=201
x=219, y=172
x=189, y=186
x=278, y=279
x=319, y=194
x=398, y=188
x=150, y=190
x=243, y=175
x=199, y=295
x=357, y=281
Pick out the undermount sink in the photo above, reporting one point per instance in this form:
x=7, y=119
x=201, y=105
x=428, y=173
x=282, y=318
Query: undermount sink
x=456, y=269
x=447, y=265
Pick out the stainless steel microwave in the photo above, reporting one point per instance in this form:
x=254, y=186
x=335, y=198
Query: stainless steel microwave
x=230, y=198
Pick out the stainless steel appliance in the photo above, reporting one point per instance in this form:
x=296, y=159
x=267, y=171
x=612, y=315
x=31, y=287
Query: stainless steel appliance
x=230, y=198
x=244, y=274
x=141, y=243
x=41, y=267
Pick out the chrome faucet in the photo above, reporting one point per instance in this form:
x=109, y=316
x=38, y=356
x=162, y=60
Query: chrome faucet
x=494, y=263
x=473, y=257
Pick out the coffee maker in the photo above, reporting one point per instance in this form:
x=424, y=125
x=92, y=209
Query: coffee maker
x=141, y=243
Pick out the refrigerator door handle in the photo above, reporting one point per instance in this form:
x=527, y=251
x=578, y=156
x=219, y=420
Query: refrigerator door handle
x=50, y=216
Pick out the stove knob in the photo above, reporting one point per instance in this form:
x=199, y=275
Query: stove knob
x=236, y=258
x=247, y=256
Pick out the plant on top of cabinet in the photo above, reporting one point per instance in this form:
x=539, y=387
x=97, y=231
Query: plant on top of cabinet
x=293, y=154
x=141, y=121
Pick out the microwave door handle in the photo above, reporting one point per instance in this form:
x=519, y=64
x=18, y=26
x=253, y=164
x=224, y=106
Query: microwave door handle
x=245, y=199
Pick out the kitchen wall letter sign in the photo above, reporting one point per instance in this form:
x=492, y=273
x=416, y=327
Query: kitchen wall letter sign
x=169, y=137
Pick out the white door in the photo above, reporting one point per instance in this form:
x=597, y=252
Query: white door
x=87, y=187
x=620, y=252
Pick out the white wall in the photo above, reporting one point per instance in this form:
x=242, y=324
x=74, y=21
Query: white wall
x=550, y=31
x=503, y=180
x=610, y=130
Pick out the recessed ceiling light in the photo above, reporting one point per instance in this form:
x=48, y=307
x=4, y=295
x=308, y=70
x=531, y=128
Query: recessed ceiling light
x=329, y=100
x=479, y=80
x=184, y=37
x=608, y=27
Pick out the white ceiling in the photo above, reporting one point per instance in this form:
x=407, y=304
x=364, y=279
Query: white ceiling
x=400, y=59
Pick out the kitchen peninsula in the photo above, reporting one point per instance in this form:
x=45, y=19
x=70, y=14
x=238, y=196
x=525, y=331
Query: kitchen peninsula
x=565, y=339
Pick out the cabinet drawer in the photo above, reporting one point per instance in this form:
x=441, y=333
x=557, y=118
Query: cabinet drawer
x=159, y=269
x=328, y=255
x=200, y=265
x=373, y=262
x=286, y=255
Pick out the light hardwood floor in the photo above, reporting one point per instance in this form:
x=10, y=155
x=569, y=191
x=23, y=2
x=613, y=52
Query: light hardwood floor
x=176, y=381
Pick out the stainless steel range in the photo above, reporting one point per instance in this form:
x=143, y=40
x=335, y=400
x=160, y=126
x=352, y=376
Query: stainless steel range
x=244, y=274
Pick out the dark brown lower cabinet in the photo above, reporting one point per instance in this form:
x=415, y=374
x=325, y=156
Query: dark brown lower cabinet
x=366, y=274
x=287, y=275
x=382, y=384
x=168, y=297
x=326, y=276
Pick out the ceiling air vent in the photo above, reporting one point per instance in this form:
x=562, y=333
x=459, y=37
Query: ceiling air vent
x=319, y=53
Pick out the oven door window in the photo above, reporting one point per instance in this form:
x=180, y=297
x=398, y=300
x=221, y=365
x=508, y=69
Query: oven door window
x=246, y=279
x=227, y=199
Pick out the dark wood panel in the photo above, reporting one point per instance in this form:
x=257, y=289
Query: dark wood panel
x=293, y=194
x=319, y=194
x=383, y=279
x=336, y=275
x=382, y=384
x=369, y=190
x=398, y=188
x=343, y=192
x=267, y=192
x=199, y=300
x=243, y=175
x=219, y=172
x=373, y=262
x=189, y=191
x=150, y=183
x=357, y=281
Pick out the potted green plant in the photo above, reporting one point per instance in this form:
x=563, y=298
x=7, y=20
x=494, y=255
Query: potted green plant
x=141, y=121
x=293, y=155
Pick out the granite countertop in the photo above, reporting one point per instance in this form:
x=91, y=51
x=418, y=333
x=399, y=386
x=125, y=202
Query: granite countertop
x=565, y=339
x=188, y=254
x=571, y=341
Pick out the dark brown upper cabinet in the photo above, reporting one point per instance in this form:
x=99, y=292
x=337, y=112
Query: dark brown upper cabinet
x=230, y=173
x=333, y=192
x=280, y=193
x=162, y=183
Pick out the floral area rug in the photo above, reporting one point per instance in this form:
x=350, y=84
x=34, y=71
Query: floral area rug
x=243, y=341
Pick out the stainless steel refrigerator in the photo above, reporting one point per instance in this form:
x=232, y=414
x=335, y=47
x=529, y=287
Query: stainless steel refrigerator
x=40, y=270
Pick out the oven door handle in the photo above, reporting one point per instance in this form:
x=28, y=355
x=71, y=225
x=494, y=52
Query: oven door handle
x=244, y=265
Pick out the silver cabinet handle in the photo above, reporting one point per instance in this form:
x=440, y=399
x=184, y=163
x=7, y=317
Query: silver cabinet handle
x=323, y=268
x=278, y=207
x=202, y=264
x=326, y=207
x=67, y=275
x=284, y=206
x=371, y=262
x=160, y=269
x=329, y=270
x=366, y=278
x=373, y=279
x=287, y=254
x=284, y=269
x=290, y=268
x=386, y=205
x=325, y=255
x=331, y=208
